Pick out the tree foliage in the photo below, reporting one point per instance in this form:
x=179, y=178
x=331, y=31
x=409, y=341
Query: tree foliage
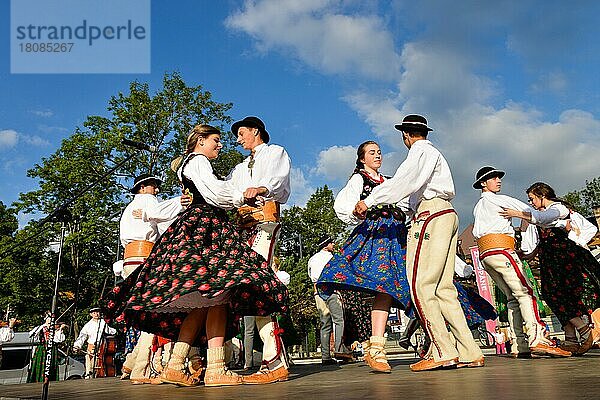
x=79, y=175
x=586, y=199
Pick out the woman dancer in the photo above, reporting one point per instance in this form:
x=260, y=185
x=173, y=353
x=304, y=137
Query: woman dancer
x=372, y=258
x=372, y=263
x=198, y=268
x=570, y=274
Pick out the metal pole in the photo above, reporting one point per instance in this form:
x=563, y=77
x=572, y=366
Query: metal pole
x=50, y=342
x=300, y=244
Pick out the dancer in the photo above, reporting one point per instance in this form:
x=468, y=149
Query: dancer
x=372, y=259
x=143, y=221
x=425, y=179
x=330, y=308
x=262, y=184
x=569, y=273
x=198, y=269
x=496, y=241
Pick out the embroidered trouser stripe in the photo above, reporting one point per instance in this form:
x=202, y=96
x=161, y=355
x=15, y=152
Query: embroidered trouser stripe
x=506, y=270
x=430, y=266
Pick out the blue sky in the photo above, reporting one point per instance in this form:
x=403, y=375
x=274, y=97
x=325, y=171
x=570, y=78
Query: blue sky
x=513, y=84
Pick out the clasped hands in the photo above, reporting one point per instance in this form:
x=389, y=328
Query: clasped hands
x=360, y=210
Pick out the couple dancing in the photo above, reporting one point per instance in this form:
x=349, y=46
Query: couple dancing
x=202, y=274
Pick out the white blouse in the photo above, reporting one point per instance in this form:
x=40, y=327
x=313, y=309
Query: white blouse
x=215, y=191
x=347, y=198
x=270, y=167
x=553, y=216
x=424, y=175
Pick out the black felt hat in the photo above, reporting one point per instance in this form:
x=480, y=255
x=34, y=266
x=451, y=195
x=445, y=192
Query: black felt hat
x=252, y=122
x=324, y=241
x=143, y=178
x=486, y=173
x=413, y=122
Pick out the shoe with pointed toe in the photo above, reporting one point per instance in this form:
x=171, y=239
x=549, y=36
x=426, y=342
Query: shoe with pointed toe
x=429, y=364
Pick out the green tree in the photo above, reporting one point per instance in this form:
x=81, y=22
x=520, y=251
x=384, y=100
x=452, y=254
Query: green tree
x=161, y=119
x=586, y=199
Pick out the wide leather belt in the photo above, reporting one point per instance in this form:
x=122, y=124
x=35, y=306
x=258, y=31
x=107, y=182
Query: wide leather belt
x=249, y=216
x=495, y=241
x=138, y=248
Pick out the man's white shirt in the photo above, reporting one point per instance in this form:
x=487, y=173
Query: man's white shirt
x=271, y=167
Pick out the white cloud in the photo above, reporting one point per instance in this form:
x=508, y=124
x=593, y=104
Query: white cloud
x=321, y=36
x=8, y=138
x=52, y=129
x=300, y=187
x=451, y=72
x=336, y=163
x=35, y=141
x=551, y=82
x=42, y=113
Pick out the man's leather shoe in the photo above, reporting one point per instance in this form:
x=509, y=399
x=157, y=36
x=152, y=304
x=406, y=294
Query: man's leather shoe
x=329, y=361
x=344, y=358
x=428, y=364
x=480, y=362
x=266, y=375
x=543, y=349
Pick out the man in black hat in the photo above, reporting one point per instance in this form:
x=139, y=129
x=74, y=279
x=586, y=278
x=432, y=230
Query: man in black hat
x=262, y=180
x=330, y=308
x=496, y=241
x=142, y=222
x=425, y=179
x=93, y=333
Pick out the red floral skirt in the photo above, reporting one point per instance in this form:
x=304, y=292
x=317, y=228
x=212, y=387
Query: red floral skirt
x=200, y=252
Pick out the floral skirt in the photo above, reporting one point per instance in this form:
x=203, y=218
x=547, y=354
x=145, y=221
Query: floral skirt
x=200, y=253
x=373, y=260
x=570, y=276
x=357, y=307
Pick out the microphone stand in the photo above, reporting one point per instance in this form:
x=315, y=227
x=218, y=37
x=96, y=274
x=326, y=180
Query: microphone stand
x=62, y=214
x=50, y=342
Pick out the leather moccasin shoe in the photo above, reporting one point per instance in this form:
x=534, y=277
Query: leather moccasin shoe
x=480, y=362
x=585, y=345
x=264, y=376
x=543, y=349
x=429, y=364
x=177, y=377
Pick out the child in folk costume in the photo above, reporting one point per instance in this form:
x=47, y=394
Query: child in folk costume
x=569, y=273
x=496, y=241
x=199, y=268
x=425, y=179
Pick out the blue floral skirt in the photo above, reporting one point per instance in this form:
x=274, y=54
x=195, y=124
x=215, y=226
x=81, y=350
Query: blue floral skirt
x=373, y=260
